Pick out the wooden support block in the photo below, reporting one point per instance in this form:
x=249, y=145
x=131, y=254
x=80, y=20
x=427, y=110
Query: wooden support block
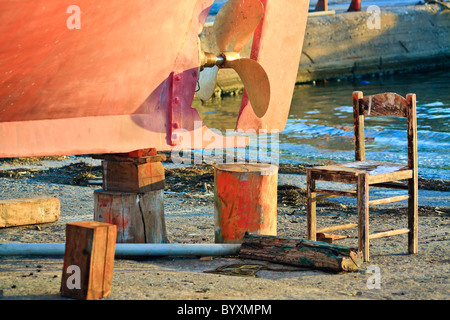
x=300, y=253
x=128, y=176
x=245, y=201
x=139, y=217
x=26, y=211
x=88, y=260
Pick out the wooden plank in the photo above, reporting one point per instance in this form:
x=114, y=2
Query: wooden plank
x=338, y=193
x=330, y=238
x=88, y=260
x=137, y=160
x=26, y=211
x=311, y=205
x=388, y=200
x=123, y=176
x=393, y=176
x=363, y=215
x=390, y=185
x=301, y=253
x=339, y=227
x=139, y=217
x=333, y=174
x=388, y=233
x=413, y=183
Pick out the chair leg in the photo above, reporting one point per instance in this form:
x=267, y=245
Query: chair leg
x=363, y=215
x=311, y=206
x=413, y=216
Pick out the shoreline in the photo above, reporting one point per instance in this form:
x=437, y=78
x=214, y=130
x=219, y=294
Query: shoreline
x=341, y=45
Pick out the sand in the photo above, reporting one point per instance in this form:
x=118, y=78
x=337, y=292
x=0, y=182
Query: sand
x=190, y=219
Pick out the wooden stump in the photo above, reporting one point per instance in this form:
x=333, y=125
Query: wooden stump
x=245, y=201
x=88, y=260
x=139, y=217
x=301, y=253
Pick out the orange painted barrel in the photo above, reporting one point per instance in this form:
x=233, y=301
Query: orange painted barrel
x=245, y=201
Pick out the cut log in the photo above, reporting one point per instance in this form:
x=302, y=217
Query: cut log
x=245, y=201
x=139, y=217
x=300, y=253
x=88, y=260
x=26, y=211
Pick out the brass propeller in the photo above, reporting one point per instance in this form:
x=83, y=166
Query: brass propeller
x=234, y=25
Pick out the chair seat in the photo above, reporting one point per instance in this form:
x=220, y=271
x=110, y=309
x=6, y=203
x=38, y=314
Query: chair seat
x=348, y=172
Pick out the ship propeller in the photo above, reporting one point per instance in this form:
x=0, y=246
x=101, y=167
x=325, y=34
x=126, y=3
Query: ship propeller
x=234, y=25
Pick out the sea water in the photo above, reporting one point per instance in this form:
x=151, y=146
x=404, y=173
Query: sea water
x=319, y=128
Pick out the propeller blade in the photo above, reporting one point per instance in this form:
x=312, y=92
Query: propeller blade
x=256, y=83
x=235, y=23
x=207, y=80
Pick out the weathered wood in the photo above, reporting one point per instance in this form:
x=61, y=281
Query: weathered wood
x=338, y=193
x=413, y=182
x=339, y=227
x=137, y=160
x=126, y=176
x=330, y=238
x=133, y=154
x=139, y=217
x=358, y=123
x=372, y=173
x=388, y=233
x=391, y=185
x=88, y=260
x=26, y=211
x=383, y=104
x=245, y=201
x=301, y=253
x=310, y=205
x=388, y=200
x=363, y=215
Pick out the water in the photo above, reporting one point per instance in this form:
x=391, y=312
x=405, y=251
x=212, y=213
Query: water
x=320, y=123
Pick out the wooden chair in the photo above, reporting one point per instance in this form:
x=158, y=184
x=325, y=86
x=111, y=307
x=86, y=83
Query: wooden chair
x=364, y=173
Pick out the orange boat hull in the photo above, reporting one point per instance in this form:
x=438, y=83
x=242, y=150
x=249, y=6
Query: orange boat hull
x=122, y=79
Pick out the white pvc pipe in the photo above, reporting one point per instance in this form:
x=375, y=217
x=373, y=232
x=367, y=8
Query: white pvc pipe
x=124, y=249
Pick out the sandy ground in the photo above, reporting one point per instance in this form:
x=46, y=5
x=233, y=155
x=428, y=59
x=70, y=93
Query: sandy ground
x=190, y=219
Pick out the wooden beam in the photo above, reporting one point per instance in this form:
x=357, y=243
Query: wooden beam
x=26, y=211
x=388, y=233
x=330, y=238
x=337, y=193
x=336, y=228
x=390, y=185
x=388, y=200
x=300, y=253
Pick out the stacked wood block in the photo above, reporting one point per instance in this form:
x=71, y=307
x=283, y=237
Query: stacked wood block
x=88, y=260
x=132, y=196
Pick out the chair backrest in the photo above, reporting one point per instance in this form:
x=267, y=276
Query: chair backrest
x=385, y=104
